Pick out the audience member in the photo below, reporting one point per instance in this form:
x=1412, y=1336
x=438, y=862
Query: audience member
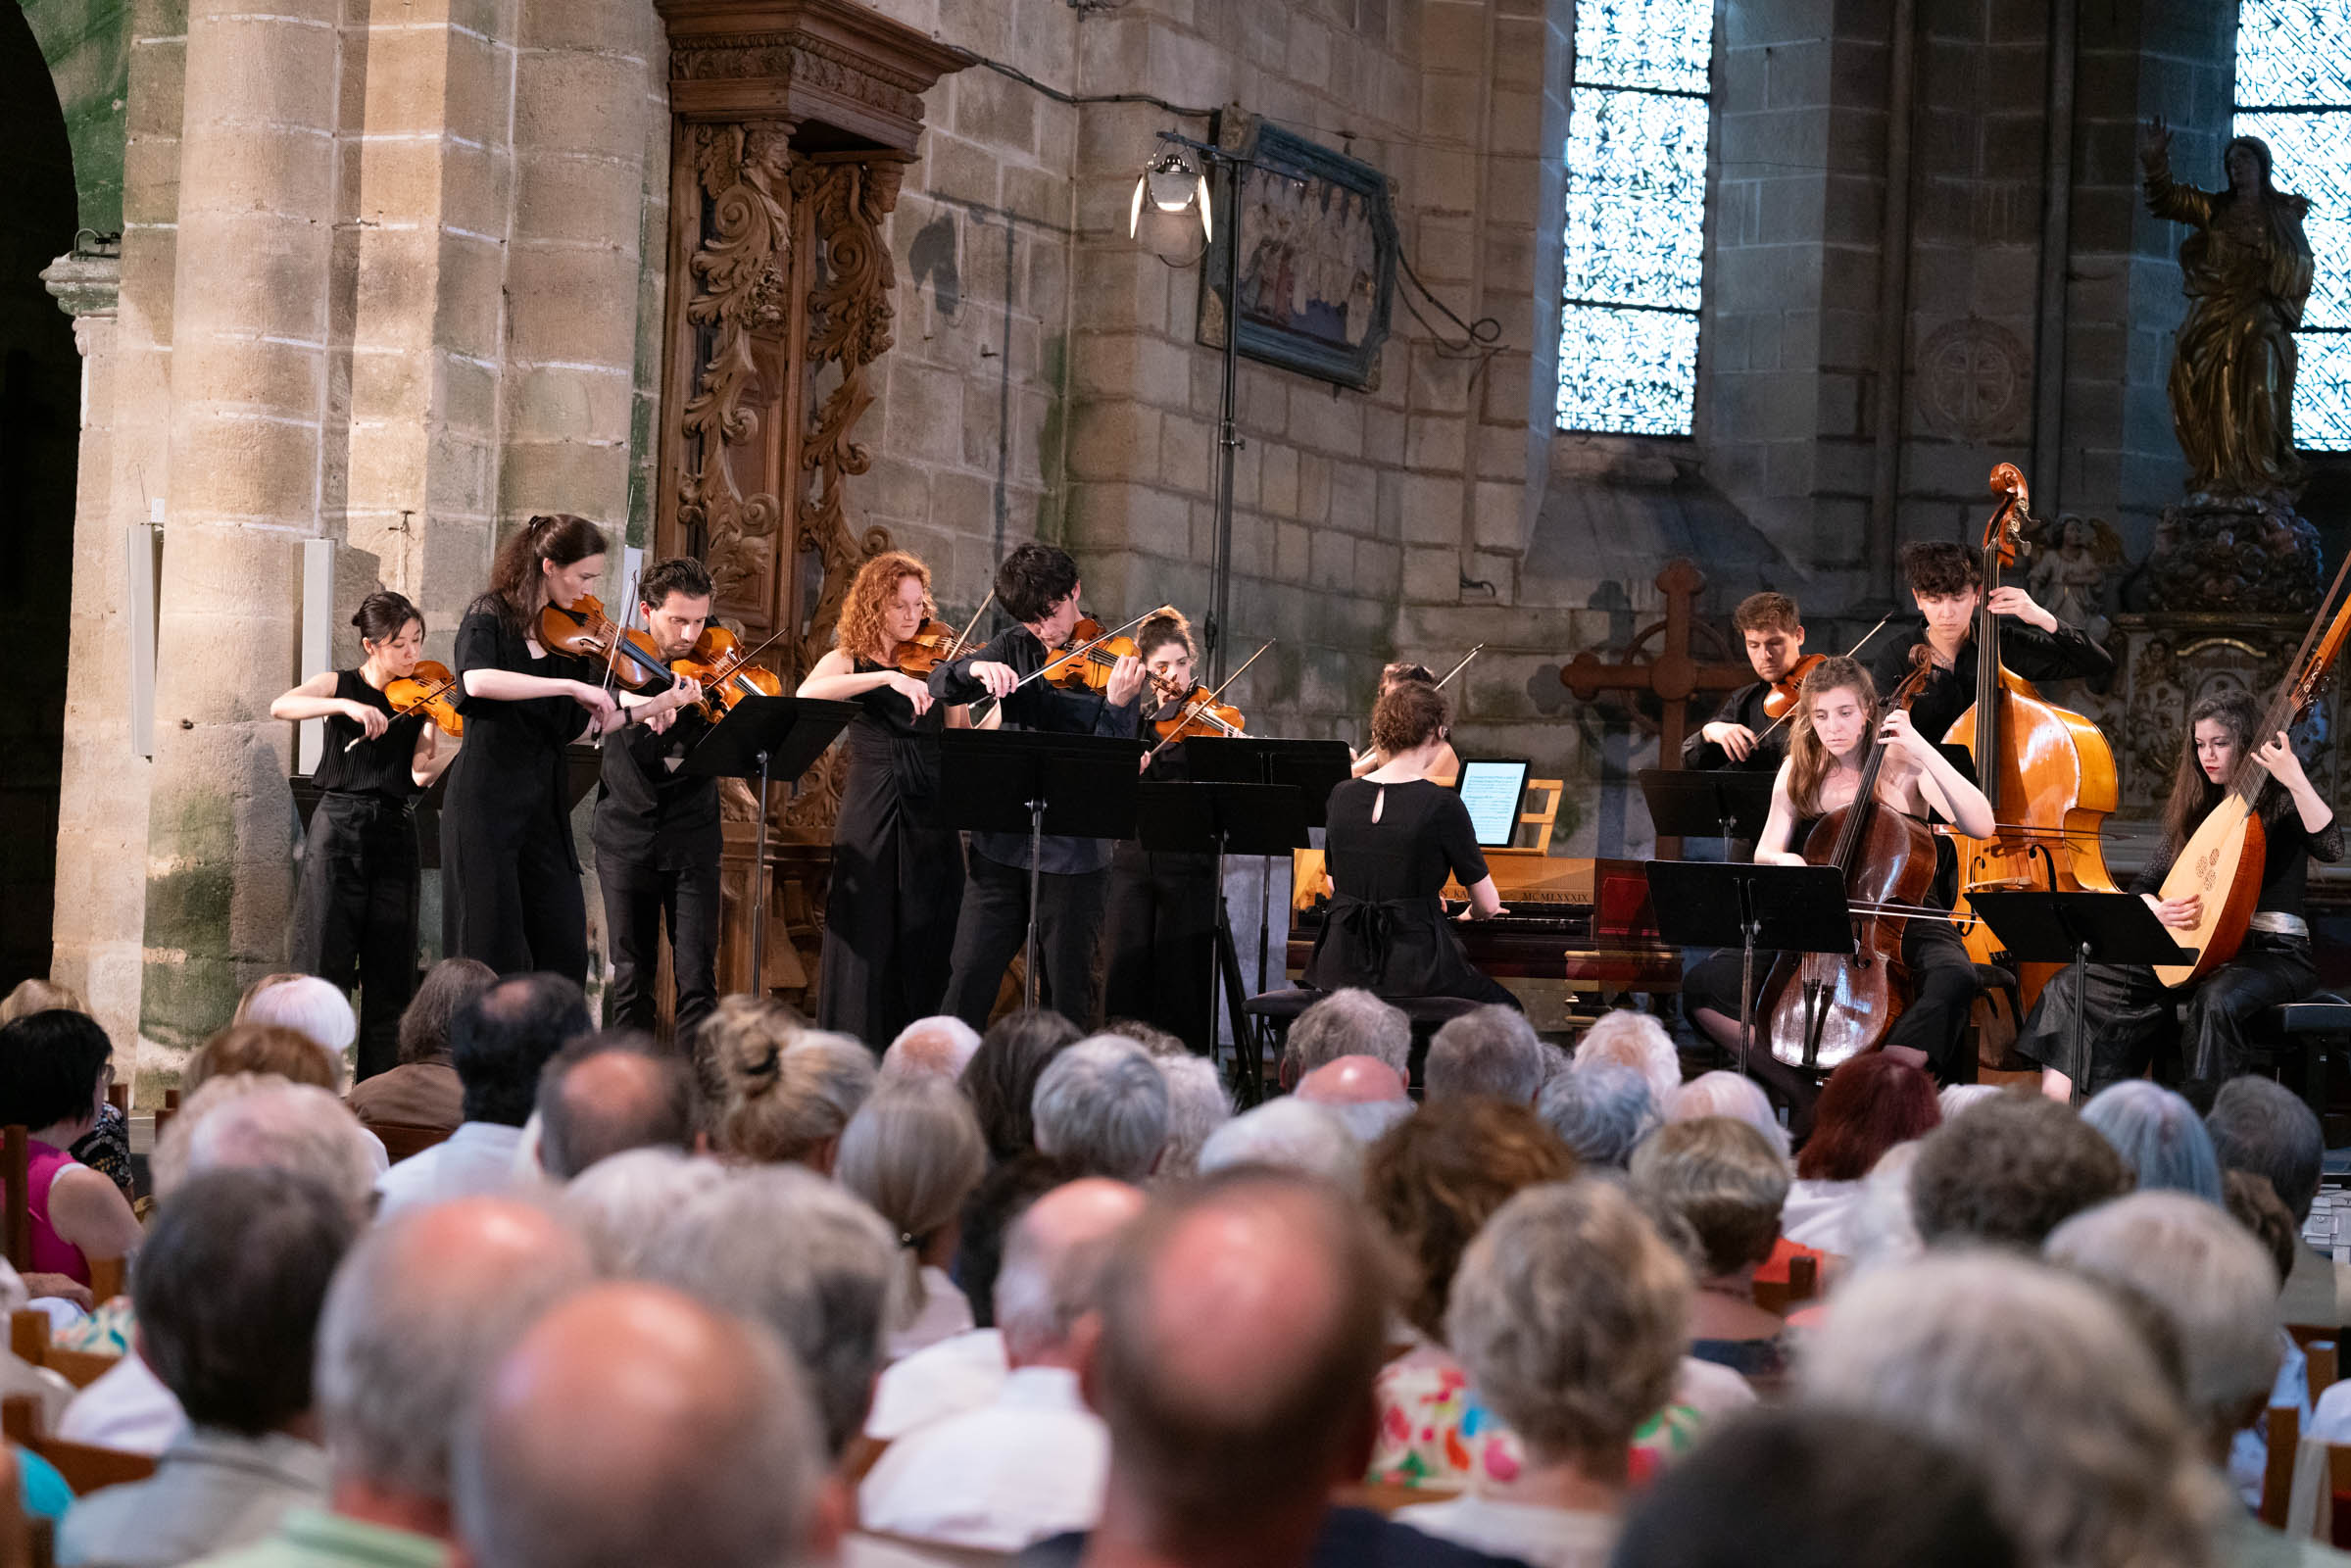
x=54, y=1069
x=2008, y=1172
x=1363, y=1091
x=1349, y=1022
x=315, y=1010
x=1728, y=1094
x=913, y=1151
x=227, y=1290
x=1638, y=1041
x=608, y=1093
x=622, y=1205
x=1289, y=1134
x=1569, y=1314
x=2252, y=1204
x=938, y=1046
x=1487, y=1050
x=423, y=1090
x=2038, y=1380
x=1150, y=1036
x=2159, y=1136
x=1723, y=1183
x=988, y=1215
x=106, y=1147
x=2263, y=1128
x=1601, y=1111
x=246, y=998
x=1956, y=1098
x=1870, y=1103
x=631, y=1425
x=786, y=1092
x=1103, y=1104
x=1882, y=1230
x=1197, y=1105
x=1030, y=1462
x=261, y=1047
x=1000, y=1079
x=29, y=997
x=499, y=1043
x=1779, y=1489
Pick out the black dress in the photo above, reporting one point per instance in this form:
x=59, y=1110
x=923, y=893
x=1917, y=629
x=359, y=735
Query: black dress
x=355, y=909
x=897, y=877
x=1386, y=930
x=1159, y=945
x=510, y=873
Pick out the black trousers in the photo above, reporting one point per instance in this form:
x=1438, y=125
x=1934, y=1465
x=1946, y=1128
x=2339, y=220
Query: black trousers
x=994, y=922
x=1161, y=946
x=354, y=913
x=2125, y=1014
x=518, y=906
x=1935, y=1023
x=638, y=901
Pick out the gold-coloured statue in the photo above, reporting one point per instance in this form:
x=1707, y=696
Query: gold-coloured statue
x=2246, y=272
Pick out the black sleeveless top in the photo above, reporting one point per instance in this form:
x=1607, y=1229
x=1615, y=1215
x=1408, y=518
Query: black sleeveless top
x=377, y=768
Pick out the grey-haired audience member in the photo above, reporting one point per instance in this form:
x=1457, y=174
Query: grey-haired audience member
x=2159, y=1136
x=1102, y=1103
x=1197, y=1106
x=634, y=1425
x=2010, y=1171
x=622, y=1205
x=914, y=1153
x=2262, y=1127
x=783, y=1246
x=252, y=1120
x=938, y=1046
x=1487, y=1050
x=1350, y=1023
x=1601, y=1111
x=1289, y=1134
x=608, y=1093
x=1363, y=1091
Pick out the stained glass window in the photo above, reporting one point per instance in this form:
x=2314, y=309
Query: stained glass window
x=2293, y=90
x=1636, y=216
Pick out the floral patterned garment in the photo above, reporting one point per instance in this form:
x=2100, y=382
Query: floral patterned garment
x=1435, y=1433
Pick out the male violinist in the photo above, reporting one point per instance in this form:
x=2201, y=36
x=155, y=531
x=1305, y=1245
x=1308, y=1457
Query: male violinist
x=657, y=830
x=1741, y=735
x=1038, y=586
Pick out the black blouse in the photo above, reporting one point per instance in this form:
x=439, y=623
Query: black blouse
x=1423, y=832
x=353, y=764
x=1742, y=707
x=2285, y=867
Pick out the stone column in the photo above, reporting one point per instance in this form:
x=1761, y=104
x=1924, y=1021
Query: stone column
x=249, y=379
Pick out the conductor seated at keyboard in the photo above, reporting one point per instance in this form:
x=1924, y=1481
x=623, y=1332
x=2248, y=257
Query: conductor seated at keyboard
x=1393, y=836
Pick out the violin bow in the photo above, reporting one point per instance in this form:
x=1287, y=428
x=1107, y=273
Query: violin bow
x=1449, y=675
x=963, y=637
x=1190, y=710
x=1858, y=644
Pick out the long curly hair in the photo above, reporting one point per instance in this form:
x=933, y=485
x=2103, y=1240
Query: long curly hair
x=2193, y=796
x=860, y=631
x=1808, y=760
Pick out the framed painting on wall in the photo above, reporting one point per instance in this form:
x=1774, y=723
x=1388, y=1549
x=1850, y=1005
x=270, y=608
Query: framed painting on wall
x=1317, y=248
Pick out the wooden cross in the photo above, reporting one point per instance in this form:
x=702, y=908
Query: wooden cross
x=1675, y=675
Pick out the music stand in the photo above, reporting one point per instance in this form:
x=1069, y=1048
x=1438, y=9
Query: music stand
x=1715, y=804
x=1030, y=781
x=1724, y=904
x=766, y=738
x=1203, y=817
x=2077, y=929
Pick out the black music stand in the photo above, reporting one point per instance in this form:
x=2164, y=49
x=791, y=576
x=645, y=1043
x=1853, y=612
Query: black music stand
x=2077, y=929
x=1311, y=767
x=1728, y=904
x=1714, y=803
x=1034, y=782
x=765, y=738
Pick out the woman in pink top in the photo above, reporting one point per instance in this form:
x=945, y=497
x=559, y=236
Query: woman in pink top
x=52, y=1076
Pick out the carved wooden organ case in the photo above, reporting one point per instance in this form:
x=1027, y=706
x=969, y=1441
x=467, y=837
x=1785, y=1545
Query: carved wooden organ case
x=791, y=125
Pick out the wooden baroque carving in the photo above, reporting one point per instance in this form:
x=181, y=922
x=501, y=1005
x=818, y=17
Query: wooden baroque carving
x=744, y=57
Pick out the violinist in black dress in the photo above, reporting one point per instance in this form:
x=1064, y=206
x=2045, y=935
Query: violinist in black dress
x=898, y=875
x=1038, y=586
x=1393, y=836
x=354, y=911
x=2125, y=1010
x=510, y=892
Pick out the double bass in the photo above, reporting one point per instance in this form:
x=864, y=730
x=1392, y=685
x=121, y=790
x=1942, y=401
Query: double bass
x=1822, y=1009
x=2047, y=772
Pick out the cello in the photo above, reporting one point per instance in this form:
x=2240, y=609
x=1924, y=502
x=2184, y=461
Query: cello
x=2047, y=772
x=1822, y=1009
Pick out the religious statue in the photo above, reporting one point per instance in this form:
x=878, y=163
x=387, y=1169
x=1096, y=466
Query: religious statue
x=2246, y=272
x=2069, y=574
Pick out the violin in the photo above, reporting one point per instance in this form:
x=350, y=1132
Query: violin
x=719, y=663
x=582, y=630
x=1201, y=714
x=933, y=644
x=1089, y=671
x=1826, y=1007
x=1783, y=693
x=428, y=691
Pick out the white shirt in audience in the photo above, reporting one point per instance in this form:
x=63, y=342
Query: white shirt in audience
x=126, y=1407
x=213, y=1490
x=946, y=1379
x=1538, y=1535
x=1817, y=1213
x=1711, y=1389
x=946, y=1313
x=2250, y=1449
x=478, y=1157
x=1027, y=1465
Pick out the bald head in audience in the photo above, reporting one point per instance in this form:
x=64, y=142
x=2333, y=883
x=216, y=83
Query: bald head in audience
x=609, y=1093
x=1364, y=1092
x=1228, y=1443
x=941, y=1047
x=1054, y=1260
x=633, y=1425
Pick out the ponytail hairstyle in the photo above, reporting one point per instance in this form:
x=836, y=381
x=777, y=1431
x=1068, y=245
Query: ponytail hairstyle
x=516, y=592
x=1808, y=760
x=2193, y=796
x=1167, y=626
x=384, y=614
x=785, y=1091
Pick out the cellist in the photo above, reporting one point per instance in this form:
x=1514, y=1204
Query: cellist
x=1825, y=756
x=2129, y=1010
x=1946, y=583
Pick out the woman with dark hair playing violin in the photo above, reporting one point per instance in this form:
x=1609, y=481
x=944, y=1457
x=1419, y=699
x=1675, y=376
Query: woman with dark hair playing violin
x=510, y=872
x=1038, y=587
x=354, y=911
x=1160, y=944
x=898, y=876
